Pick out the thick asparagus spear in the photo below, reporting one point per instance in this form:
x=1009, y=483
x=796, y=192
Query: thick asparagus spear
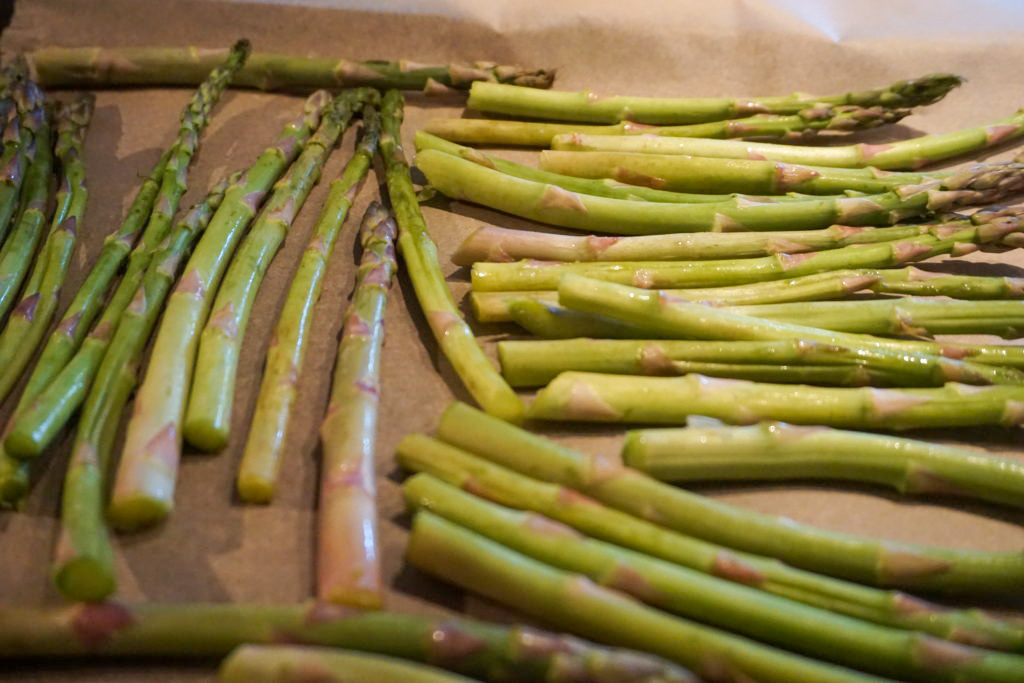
x=724, y=604
x=419, y=252
x=775, y=450
x=149, y=462
x=906, y=154
x=547, y=203
x=299, y=664
x=511, y=488
x=348, y=560
x=35, y=310
x=84, y=563
x=502, y=654
x=261, y=459
x=573, y=602
x=591, y=107
x=900, y=565
x=38, y=423
x=208, y=415
x=95, y=67
x=802, y=125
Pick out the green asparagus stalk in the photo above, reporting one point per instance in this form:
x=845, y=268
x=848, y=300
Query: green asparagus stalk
x=97, y=67
x=886, y=563
x=149, y=462
x=906, y=154
x=511, y=488
x=207, y=422
x=12, y=165
x=802, y=125
x=917, y=282
x=724, y=604
x=348, y=560
x=37, y=425
x=775, y=450
x=35, y=310
x=591, y=107
x=548, y=203
x=261, y=459
x=576, y=603
x=296, y=664
x=419, y=252
x=505, y=654
x=84, y=563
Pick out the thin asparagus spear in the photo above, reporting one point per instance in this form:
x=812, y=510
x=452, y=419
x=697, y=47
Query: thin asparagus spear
x=96, y=67
x=919, y=282
x=548, y=203
x=32, y=315
x=144, y=488
x=588, y=106
x=299, y=664
x=419, y=252
x=502, y=654
x=906, y=154
x=511, y=488
x=84, y=563
x=718, y=602
x=775, y=450
x=802, y=125
x=12, y=165
x=900, y=565
x=37, y=424
x=207, y=421
x=261, y=459
x=348, y=560
x=573, y=602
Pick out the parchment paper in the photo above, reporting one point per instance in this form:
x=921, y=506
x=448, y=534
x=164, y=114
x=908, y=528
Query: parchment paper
x=215, y=549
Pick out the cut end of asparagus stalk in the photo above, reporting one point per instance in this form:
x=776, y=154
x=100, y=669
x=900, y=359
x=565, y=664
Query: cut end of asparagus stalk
x=137, y=512
x=84, y=578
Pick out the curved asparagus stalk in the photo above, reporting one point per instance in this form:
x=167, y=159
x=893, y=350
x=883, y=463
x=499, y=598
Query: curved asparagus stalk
x=724, y=604
x=573, y=602
x=261, y=459
x=35, y=310
x=502, y=654
x=84, y=562
x=588, y=106
x=900, y=565
x=294, y=664
x=152, y=449
x=510, y=487
x=905, y=154
x=208, y=415
x=419, y=252
x=348, y=562
x=96, y=67
x=548, y=203
x=775, y=450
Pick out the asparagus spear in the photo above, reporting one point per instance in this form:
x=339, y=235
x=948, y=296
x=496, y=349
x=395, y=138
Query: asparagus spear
x=591, y=107
x=38, y=303
x=149, y=463
x=718, y=602
x=37, y=424
x=84, y=563
x=911, y=154
x=919, y=282
x=348, y=561
x=802, y=125
x=12, y=164
x=208, y=415
x=419, y=252
x=299, y=664
x=575, y=603
x=95, y=67
x=900, y=565
x=548, y=203
x=775, y=450
x=511, y=488
x=505, y=654
x=261, y=459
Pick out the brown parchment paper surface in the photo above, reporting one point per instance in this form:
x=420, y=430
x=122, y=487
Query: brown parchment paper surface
x=215, y=549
